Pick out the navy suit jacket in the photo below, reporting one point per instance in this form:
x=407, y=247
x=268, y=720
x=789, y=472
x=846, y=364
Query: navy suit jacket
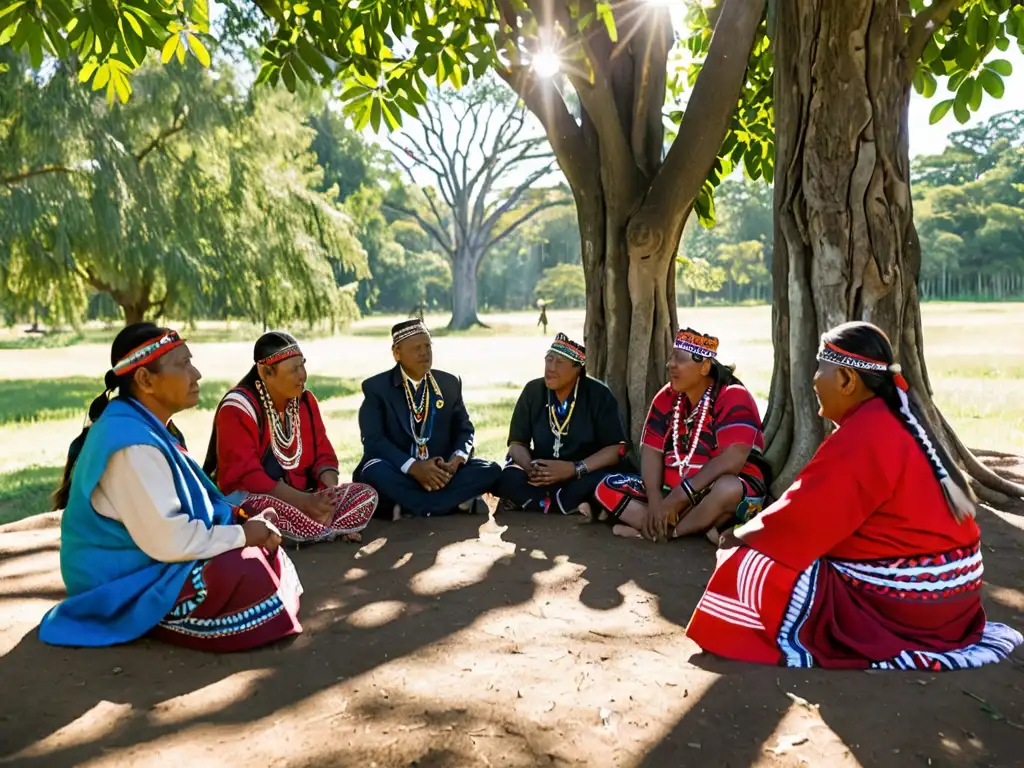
x=384, y=420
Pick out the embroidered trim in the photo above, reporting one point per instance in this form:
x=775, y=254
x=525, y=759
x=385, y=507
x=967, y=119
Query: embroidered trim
x=569, y=349
x=292, y=350
x=695, y=343
x=148, y=352
x=413, y=329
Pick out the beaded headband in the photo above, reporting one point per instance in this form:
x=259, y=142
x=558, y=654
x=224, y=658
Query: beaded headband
x=407, y=332
x=147, y=353
x=695, y=343
x=292, y=350
x=569, y=349
x=830, y=353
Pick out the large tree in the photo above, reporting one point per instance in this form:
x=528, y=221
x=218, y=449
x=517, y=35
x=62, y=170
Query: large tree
x=486, y=161
x=632, y=197
x=845, y=243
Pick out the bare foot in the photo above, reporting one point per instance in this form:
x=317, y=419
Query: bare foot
x=588, y=514
x=714, y=536
x=355, y=538
x=627, y=532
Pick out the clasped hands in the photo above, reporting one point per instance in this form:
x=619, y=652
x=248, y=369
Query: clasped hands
x=434, y=474
x=542, y=472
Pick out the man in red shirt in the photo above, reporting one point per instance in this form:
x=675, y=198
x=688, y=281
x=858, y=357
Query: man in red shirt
x=700, y=460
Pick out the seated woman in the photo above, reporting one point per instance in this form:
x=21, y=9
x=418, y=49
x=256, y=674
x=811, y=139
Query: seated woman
x=565, y=437
x=148, y=543
x=872, y=558
x=269, y=441
x=700, y=461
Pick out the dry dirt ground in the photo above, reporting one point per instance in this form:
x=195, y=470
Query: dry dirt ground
x=462, y=642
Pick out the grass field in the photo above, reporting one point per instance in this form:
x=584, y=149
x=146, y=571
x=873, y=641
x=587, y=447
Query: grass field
x=974, y=353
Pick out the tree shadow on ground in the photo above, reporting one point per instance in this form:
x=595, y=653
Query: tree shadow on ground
x=394, y=603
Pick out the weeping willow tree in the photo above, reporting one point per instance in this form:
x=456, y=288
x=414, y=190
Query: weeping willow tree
x=188, y=201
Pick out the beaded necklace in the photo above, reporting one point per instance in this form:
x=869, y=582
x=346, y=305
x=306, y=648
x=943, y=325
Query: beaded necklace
x=702, y=406
x=560, y=428
x=286, y=433
x=421, y=415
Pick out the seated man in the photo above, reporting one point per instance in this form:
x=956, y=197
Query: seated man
x=872, y=557
x=566, y=436
x=700, y=462
x=417, y=436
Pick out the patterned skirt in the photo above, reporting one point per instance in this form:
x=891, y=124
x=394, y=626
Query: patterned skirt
x=236, y=601
x=920, y=612
x=616, y=491
x=354, y=504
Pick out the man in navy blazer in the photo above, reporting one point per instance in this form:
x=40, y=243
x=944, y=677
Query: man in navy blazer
x=417, y=435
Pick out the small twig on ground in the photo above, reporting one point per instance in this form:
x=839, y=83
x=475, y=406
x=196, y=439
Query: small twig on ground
x=994, y=713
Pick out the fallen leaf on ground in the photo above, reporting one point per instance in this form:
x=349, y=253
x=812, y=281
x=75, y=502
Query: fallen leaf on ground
x=787, y=742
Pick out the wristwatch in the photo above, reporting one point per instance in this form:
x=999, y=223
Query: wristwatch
x=581, y=469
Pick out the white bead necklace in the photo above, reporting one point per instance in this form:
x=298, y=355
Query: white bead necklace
x=702, y=406
x=285, y=434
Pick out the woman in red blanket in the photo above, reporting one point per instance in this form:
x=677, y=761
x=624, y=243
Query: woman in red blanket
x=872, y=558
x=269, y=442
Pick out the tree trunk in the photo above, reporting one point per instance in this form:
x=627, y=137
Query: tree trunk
x=464, y=298
x=845, y=243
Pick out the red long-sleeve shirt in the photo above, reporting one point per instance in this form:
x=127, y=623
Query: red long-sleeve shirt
x=241, y=446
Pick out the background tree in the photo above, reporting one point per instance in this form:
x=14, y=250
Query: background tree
x=185, y=201
x=563, y=286
x=485, y=158
x=845, y=245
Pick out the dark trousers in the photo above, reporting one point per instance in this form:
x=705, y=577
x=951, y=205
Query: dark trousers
x=476, y=477
x=515, y=487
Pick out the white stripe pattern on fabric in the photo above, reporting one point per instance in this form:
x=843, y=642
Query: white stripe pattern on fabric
x=800, y=602
x=932, y=570
x=750, y=578
x=997, y=642
x=912, y=586
x=242, y=403
x=730, y=610
x=371, y=463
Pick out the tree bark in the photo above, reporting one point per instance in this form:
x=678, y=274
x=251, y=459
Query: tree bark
x=465, y=265
x=631, y=202
x=134, y=312
x=845, y=243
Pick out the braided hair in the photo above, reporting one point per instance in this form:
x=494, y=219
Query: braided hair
x=869, y=343
x=130, y=338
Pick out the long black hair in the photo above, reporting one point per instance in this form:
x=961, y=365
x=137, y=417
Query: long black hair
x=267, y=345
x=130, y=338
x=869, y=341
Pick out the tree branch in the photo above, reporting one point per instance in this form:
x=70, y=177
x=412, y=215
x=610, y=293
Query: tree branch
x=651, y=75
x=711, y=106
x=427, y=227
x=922, y=29
x=17, y=178
x=177, y=126
x=564, y=134
x=526, y=217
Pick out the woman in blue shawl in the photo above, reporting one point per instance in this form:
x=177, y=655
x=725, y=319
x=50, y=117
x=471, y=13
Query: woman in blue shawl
x=148, y=543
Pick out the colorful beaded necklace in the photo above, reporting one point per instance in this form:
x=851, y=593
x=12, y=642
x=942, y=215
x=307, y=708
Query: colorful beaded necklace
x=286, y=433
x=702, y=407
x=560, y=427
x=421, y=415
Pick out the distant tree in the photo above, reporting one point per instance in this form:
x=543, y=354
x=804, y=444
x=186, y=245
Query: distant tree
x=148, y=204
x=695, y=276
x=564, y=286
x=486, y=156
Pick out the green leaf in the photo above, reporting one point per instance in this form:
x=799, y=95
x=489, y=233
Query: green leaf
x=180, y=51
x=977, y=92
x=392, y=116
x=134, y=23
x=930, y=85
x=939, y=111
x=11, y=8
x=87, y=71
x=364, y=115
x=199, y=50
x=1000, y=67
x=992, y=83
x=375, y=115
x=170, y=46
x=102, y=77
x=288, y=75
x=7, y=34
x=604, y=11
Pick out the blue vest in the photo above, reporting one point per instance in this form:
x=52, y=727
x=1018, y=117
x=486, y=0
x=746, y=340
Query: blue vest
x=116, y=592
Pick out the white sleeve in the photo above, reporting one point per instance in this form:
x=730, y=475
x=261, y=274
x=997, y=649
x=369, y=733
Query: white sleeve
x=137, y=488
